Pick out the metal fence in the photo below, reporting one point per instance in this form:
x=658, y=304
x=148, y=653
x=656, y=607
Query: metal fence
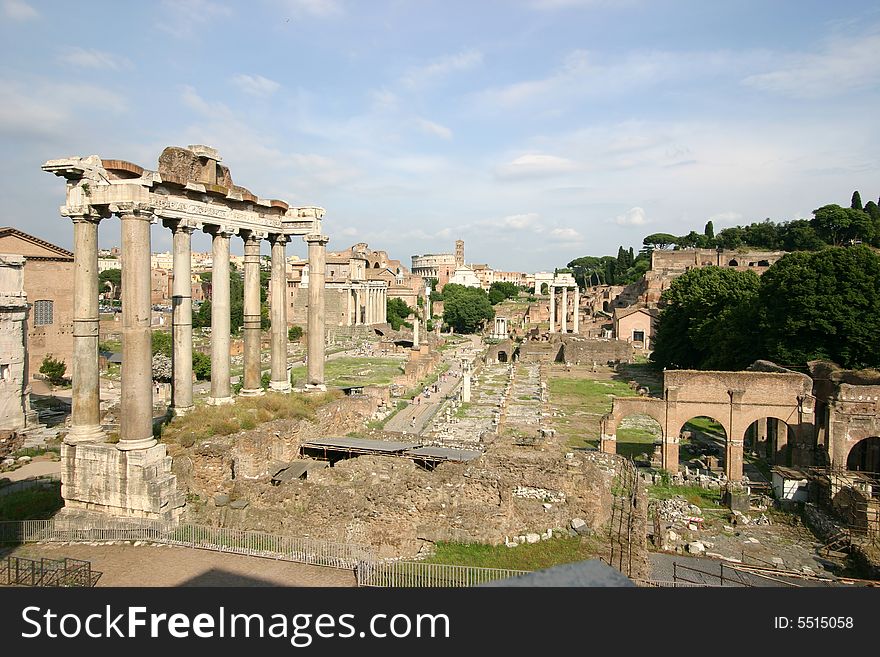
x=219, y=539
x=419, y=574
x=19, y=571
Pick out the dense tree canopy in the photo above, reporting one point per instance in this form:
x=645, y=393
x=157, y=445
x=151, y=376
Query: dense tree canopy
x=498, y=292
x=698, y=311
x=822, y=305
x=396, y=311
x=808, y=305
x=466, y=309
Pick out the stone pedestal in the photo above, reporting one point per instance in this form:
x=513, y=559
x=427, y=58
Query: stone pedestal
x=98, y=477
x=669, y=460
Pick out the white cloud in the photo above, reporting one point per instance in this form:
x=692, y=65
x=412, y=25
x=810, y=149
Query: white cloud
x=521, y=221
x=41, y=108
x=441, y=67
x=536, y=165
x=316, y=8
x=255, y=85
x=18, y=10
x=92, y=58
x=185, y=18
x=844, y=62
x=348, y=231
x=566, y=234
x=729, y=218
x=632, y=217
x=434, y=128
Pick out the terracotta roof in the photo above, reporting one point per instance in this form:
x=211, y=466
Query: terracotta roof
x=9, y=230
x=626, y=312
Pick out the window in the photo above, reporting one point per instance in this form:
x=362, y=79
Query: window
x=638, y=336
x=43, y=311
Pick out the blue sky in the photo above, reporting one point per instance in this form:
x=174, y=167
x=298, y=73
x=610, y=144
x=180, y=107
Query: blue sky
x=536, y=130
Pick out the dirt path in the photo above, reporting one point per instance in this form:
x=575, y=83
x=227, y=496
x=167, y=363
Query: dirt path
x=159, y=565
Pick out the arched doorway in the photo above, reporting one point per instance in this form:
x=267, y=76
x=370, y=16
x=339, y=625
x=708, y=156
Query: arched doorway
x=865, y=455
x=769, y=438
x=638, y=437
x=502, y=356
x=702, y=442
x=545, y=288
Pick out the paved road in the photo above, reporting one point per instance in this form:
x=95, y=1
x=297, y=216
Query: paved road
x=415, y=417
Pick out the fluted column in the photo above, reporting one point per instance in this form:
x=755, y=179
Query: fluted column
x=563, y=324
x=358, y=303
x=181, y=320
x=136, y=406
x=577, y=306
x=552, y=291
x=317, y=264
x=251, y=379
x=279, y=381
x=85, y=415
x=221, y=390
x=349, y=301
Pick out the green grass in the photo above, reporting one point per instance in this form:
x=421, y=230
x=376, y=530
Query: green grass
x=633, y=441
x=31, y=504
x=706, y=425
x=354, y=371
x=701, y=497
x=592, y=396
x=522, y=557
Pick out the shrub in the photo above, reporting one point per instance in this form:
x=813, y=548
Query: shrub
x=54, y=370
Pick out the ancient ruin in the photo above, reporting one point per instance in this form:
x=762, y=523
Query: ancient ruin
x=189, y=191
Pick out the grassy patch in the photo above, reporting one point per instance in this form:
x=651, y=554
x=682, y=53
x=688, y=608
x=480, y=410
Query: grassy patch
x=522, y=557
x=632, y=442
x=31, y=504
x=354, y=371
x=246, y=413
x=592, y=396
x=701, y=497
x=706, y=425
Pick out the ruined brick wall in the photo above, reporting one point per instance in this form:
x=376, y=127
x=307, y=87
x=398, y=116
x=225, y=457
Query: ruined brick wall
x=335, y=306
x=601, y=350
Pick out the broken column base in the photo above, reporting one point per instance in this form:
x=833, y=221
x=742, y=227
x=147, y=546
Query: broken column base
x=315, y=387
x=99, y=478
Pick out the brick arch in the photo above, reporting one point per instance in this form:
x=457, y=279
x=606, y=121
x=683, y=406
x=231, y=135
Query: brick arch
x=685, y=416
x=622, y=407
x=852, y=445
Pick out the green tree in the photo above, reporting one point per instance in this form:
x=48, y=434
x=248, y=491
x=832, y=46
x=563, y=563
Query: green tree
x=856, y=203
x=823, y=304
x=709, y=230
x=698, y=313
x=838, y=226
x=397, y=311
x=162, y=343
x=53, y=369
x=466, y=308
x=660, y=240
x=506, y=290
x=201, y=365
x=114, y=277
x=294, y=333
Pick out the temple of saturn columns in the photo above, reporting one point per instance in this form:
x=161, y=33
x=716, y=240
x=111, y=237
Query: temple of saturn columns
x=190, y=191
x=563, y=282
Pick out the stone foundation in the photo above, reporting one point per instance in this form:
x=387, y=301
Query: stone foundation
x=98, y=477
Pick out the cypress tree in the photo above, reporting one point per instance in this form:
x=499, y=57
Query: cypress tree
x=709, y=230
x=856, y=201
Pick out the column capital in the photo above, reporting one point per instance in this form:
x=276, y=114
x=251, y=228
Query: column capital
x=85, y=213
x=315, y=238
x=252, y=235
x=180, y=226
x=221, y=230
x=133, y=210
x=278, y=238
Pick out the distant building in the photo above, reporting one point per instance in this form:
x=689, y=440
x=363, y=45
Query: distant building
x=48, y=283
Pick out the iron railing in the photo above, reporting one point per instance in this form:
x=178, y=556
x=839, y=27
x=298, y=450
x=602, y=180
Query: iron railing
x=421, y=574
x=219, y=539
x=20, y=571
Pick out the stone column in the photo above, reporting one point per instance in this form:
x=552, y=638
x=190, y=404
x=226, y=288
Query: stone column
x=252, y=369
x=85, y=415
x=181, y=320
x=781, y=455
x=317, y=263
x=563, y=324
x=280, y=381
x=358, y=303
x=466, y=382
x=416, y=326
x=136, y=406
x=552, y=291
x=577, y=309
x=349, y=307
x=761, y=438
x=221, y=390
